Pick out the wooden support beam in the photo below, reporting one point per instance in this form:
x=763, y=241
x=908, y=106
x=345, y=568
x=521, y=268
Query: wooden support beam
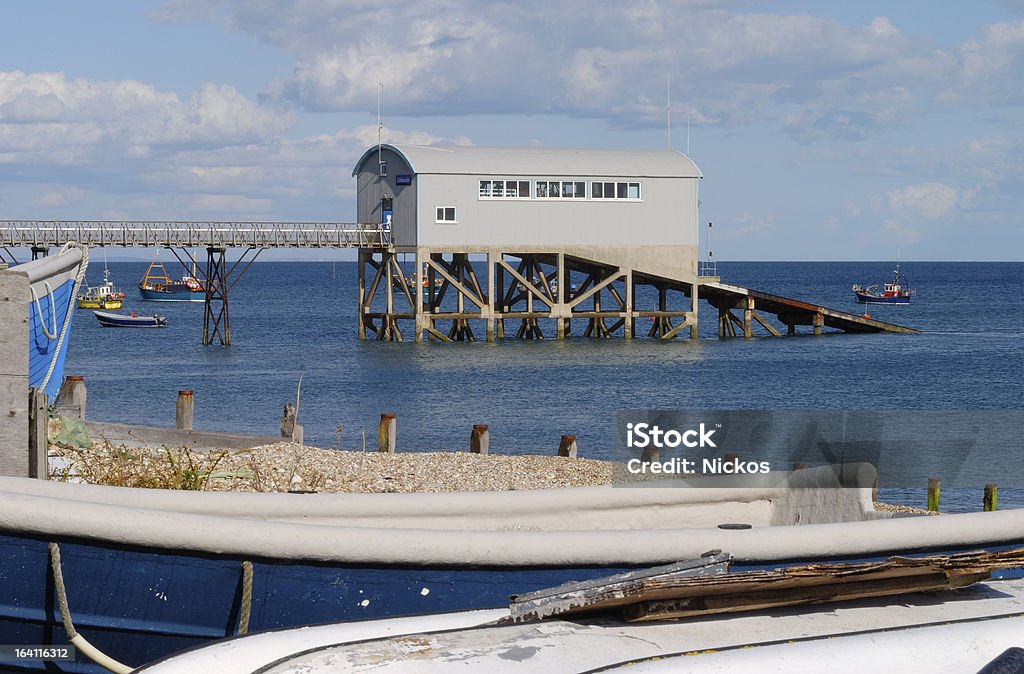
x=767, y=326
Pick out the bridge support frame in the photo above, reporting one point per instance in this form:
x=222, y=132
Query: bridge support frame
x=531, y=295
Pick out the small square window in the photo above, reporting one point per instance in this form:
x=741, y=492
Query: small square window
x=621, y=191
x=634, y=190
x=383, y=167
x=597, y=190
x=445, y=214
x=485, y=188
x=581, y=190
x=524, y=189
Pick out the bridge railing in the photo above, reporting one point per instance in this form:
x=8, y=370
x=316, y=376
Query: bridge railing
x=184, y=234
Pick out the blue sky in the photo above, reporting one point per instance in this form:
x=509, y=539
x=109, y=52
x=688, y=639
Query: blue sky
x=825, y=130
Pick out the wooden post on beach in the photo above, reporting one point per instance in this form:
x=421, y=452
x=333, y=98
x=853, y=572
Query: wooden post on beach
x=38, y=416
x=568, y=446
x=386, y=433
x=933, y=494
x=990, y=499
x=479, y=439
x=71, y=397
x=183, y=410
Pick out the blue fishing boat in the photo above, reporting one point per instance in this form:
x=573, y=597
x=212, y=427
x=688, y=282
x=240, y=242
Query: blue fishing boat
x=895, y=292
x=54, y=282
x=138, y=574
x=157, y=286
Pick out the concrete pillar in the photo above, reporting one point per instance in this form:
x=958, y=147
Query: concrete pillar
x=492, y=301
x=360, y=317
x=819, y=321
x=694, y=303
x=559, y=308
x=627, y=324
x=420, y=280
x=748, y=317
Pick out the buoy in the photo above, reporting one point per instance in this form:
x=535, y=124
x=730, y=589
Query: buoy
x=867, y=315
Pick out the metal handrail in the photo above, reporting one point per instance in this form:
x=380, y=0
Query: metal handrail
x=144, y=233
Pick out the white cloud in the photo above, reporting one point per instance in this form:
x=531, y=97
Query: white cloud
x=929, y=200
x=46, y=117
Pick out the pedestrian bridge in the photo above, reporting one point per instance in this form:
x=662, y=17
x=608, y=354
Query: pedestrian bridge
x=193, y=234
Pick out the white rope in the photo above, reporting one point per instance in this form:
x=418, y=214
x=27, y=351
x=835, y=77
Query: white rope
x=39, y=310
x=86, y=648
x=71, y=306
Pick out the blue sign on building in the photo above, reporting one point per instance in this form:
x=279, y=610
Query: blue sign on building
x=403, y=180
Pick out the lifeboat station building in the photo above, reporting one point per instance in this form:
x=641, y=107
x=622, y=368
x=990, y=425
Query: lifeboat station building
x=528, y=242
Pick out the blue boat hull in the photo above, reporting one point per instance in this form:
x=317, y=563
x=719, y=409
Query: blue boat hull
x=172, y=296
x=139, y=605
x=52, y=283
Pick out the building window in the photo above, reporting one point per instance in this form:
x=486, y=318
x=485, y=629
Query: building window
x=445, y=214
x=616, y=190
x=561, y=189
x=504, y=189
x=383, y=168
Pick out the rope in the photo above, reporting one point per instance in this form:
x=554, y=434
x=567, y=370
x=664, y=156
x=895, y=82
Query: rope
x=39, y=310
x=87, y=649
x=246, y=608
x=71, y=305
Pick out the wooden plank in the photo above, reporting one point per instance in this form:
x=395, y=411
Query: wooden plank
x=679, y=596
x=732, y=603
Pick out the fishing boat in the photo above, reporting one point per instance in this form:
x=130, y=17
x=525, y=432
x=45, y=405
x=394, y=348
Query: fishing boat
x=895, y=292
x=144, y=573
x=111, y=320
x=157, y=286
x=104, y=296
x=54, y=282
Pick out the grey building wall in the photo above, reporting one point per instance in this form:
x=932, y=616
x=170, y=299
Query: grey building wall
x=371, y=188
x=666, y=215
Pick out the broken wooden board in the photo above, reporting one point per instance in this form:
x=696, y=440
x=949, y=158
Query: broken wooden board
x=674, y=595
x=555, y=600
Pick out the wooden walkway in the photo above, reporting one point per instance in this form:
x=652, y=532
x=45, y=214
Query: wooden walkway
x=194, y=234
x=790, y=312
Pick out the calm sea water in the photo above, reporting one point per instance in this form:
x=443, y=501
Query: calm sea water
x=289, y=318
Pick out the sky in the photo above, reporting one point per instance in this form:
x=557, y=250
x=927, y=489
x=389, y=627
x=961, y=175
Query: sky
x=825, y=130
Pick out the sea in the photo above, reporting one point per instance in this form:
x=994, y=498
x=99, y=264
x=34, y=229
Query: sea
x=293, y=321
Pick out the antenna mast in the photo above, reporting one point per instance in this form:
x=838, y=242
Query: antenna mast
x=380, y=126
x=668, y=107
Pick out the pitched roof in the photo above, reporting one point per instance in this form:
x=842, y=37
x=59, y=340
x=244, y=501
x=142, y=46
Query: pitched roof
x=536, y=161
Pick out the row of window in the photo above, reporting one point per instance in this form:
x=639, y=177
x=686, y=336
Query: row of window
x=558, y=189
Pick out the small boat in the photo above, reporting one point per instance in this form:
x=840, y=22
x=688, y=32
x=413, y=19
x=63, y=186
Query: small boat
x=111, y=320
x=157, y=286
x=150, y=572
x=104, y=296
x=53, y=285
x=895, y=292
x=777, y=627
